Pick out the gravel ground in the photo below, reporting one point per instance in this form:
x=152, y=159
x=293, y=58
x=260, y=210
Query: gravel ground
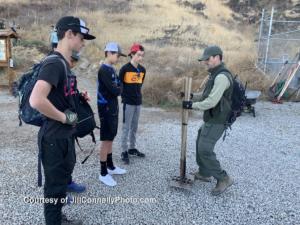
x=262, y=154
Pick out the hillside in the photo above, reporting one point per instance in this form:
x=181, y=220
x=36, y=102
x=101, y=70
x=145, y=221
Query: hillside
x=174, y=33
x=289, y=9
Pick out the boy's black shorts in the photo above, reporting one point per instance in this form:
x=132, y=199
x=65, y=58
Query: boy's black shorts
x=108, y=121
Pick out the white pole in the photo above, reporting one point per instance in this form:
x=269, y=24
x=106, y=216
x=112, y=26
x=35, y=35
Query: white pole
x=268, y=40
x=260, y=32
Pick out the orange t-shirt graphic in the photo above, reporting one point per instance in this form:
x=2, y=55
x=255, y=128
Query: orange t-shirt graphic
x=134, y=77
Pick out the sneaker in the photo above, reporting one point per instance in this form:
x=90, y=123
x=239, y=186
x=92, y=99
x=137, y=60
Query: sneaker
x=73, y=187
x=125, y=158
x=134, y=151
x=222, y=185
x=66, y=221
x=108, y=180
x=117, y=171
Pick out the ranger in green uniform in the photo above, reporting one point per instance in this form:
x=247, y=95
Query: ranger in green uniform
x=216, y=104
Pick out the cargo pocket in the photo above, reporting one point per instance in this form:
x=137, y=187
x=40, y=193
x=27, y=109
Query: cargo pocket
x=52, y=156
x=206, y=129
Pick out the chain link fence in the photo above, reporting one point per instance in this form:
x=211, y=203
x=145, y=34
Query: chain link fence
x=278, y=42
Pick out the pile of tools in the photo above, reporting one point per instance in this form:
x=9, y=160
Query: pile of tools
x=280, y=88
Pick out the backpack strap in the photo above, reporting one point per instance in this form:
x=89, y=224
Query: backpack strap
x=228, y=125
x=47, y=59
x=229, y=76
x=92, y=150
x=40, y=138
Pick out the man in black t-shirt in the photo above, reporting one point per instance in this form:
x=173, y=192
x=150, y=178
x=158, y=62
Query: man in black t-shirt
x=51, y=96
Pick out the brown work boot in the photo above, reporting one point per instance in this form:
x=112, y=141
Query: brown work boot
x=198, y=176
x=222, y=185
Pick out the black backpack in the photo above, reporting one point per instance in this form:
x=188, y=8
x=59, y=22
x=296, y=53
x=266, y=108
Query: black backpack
x=238, y=98
x=86, y=122
x=23, y=89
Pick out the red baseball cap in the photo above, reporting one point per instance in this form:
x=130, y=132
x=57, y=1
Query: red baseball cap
x=136, y=47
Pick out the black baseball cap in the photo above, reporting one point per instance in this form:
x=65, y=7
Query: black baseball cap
x=75, y=24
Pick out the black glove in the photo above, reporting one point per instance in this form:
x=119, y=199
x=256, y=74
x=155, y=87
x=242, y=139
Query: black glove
x=71, y=117
x=187, y=104
x=81, y=97
x=182, y=95
x=191, y=96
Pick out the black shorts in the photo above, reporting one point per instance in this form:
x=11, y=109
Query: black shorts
x=108, y=121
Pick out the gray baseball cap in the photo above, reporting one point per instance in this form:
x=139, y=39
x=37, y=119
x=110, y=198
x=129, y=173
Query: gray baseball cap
x=212, y=50
x=114, y=47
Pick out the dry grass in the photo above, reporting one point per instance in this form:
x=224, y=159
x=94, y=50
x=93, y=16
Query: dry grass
x=155, y=17
x=216, y=11
x=174, y=37
x=13, y=1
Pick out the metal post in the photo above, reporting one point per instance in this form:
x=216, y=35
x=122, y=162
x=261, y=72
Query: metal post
x=268, y=40
x=260, y=33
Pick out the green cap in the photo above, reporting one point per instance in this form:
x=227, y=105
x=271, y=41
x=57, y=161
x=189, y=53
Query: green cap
x=210, y=51
x=75, y=55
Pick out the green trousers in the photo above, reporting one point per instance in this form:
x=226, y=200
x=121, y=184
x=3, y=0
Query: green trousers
x=208, y=135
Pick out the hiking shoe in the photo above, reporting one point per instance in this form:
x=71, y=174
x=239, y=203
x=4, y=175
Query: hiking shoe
x=73, y=187
x=222, y=185
x=125, y=157
x=107, y=180
x=134, y=151
x=198, y=176
x=117, y=171
x=66, y=221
